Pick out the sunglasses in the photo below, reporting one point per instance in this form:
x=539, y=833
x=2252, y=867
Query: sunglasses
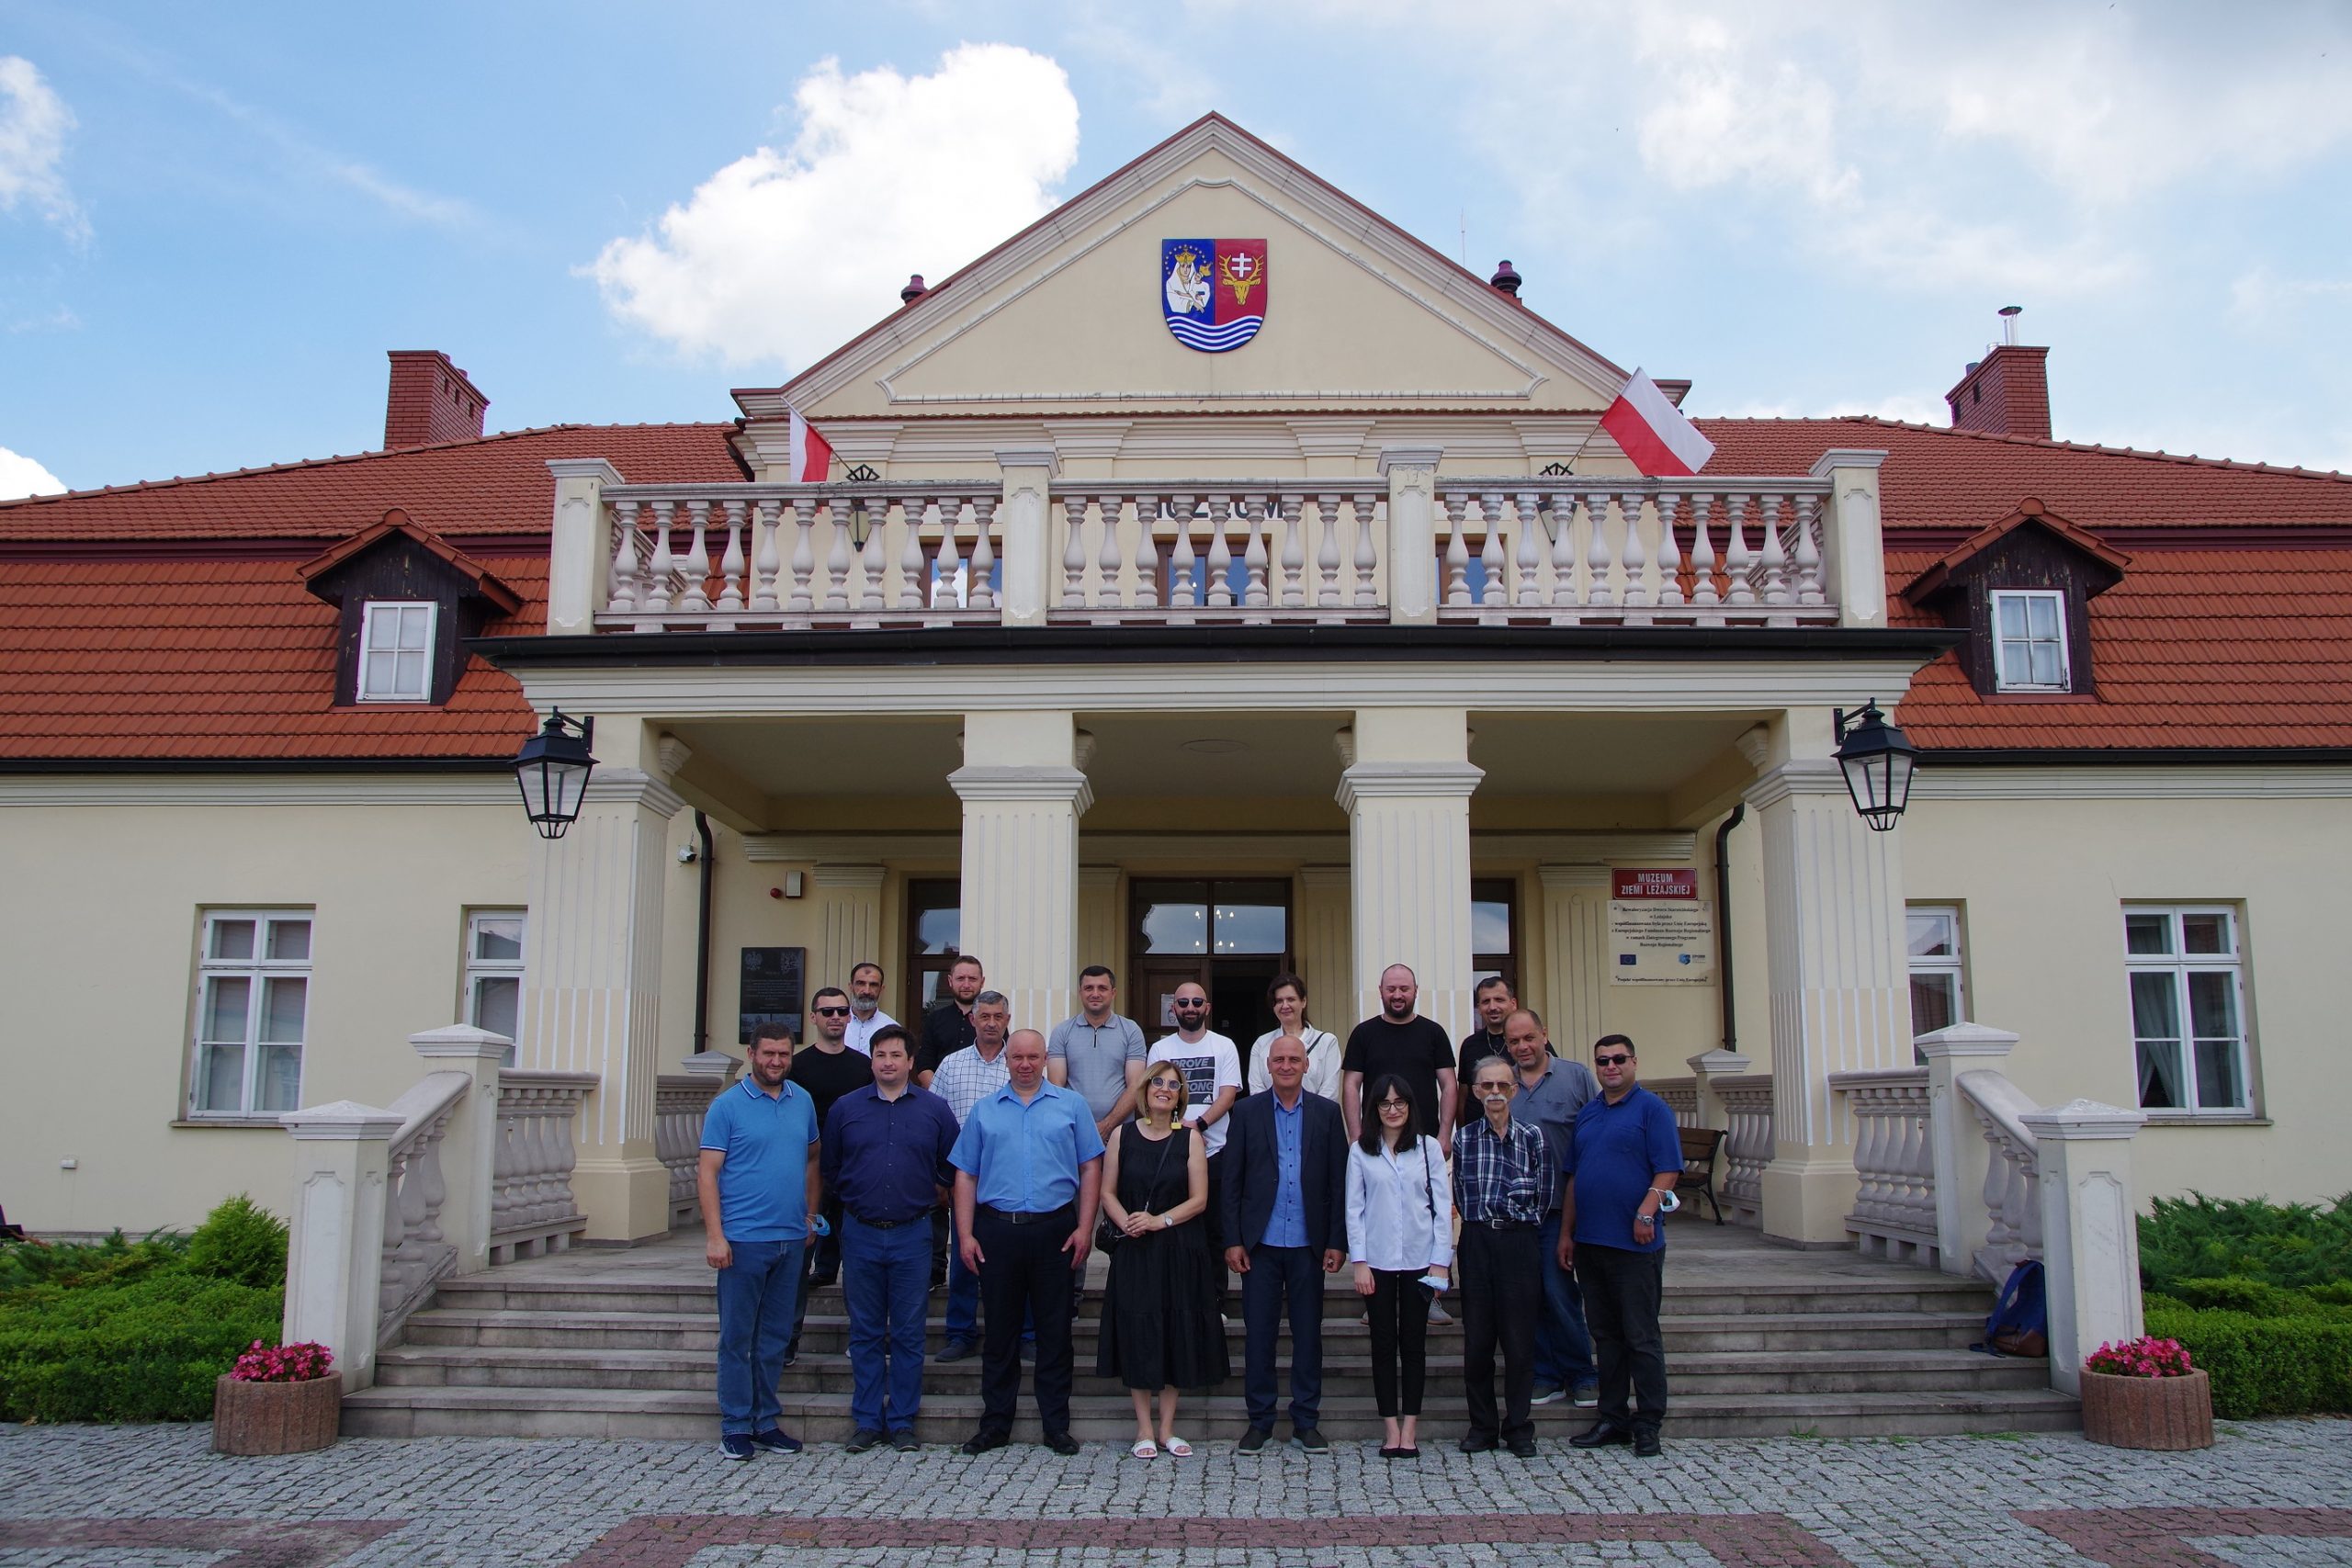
x=1612, y=1061
x=831, y=1012
x=1190, y=1007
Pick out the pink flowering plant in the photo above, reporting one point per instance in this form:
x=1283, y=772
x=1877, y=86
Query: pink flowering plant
x=2143, y=1358
x=282, y=1363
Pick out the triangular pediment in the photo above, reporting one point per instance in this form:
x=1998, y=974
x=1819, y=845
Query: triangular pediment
x=1065, y=319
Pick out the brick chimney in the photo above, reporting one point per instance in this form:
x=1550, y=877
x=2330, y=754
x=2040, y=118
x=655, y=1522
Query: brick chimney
x=2007, y=392
x=431, y=399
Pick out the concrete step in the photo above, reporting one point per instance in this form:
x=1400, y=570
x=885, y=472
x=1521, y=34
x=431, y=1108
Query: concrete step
x=1346, y=1370
x=684, y=1414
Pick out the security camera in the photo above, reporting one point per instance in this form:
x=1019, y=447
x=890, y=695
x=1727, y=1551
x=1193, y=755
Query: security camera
x=686, y=855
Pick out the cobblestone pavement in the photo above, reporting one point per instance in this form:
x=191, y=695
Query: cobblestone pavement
x=2270, y=1495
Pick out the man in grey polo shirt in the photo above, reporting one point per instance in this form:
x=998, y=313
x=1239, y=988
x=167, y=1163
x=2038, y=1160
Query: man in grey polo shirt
x=1549, y=1093
x=1098, y=1053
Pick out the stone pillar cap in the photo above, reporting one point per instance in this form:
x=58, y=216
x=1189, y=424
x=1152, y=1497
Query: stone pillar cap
x=710, y=1065
x=1965, y=1040
x=1719, y=1062
x=343, y=1120
x=2084, y=1118
x=461, y=1041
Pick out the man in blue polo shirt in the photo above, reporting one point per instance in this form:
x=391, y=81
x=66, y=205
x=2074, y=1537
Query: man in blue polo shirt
x=759, y=1196
x=1028, y=1175
x=1622, y=1165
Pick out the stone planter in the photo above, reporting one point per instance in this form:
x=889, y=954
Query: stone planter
x=2148, y=1412
x=276, y=1417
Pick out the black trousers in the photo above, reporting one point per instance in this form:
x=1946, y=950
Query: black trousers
x=1025, y=1275
x=1220, y=1276
x=1400, y=1334
x=1502, y=1292
x=1621, y=1302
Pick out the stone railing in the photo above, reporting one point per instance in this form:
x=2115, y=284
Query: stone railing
x=1748, y=1148
x=680, y=1100
x=532, y=1210
x=1682, y=1096
x=2012, y=1189
x=1894, y=1208
x=416, y=1252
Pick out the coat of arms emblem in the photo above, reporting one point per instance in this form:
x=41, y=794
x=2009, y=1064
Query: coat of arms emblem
x=1213, y=292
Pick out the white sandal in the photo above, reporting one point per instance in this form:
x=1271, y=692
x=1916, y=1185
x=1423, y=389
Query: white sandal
x=1145, y=1448
x=1180, y=1447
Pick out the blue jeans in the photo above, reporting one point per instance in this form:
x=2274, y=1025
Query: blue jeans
x=1276, y=1273
x=963, y=1293
x=756, y=1293
x=1563, y=1348
x=885, y=1275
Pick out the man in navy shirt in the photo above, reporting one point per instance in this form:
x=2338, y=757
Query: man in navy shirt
x=1622, y=1163
x=884, y=1161
x=758, y=1181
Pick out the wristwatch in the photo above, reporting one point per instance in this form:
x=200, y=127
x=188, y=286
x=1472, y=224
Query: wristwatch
x=1166, y=1224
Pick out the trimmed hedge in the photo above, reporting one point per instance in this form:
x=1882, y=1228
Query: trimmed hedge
x=2293, y=1245
x=2260, y=1365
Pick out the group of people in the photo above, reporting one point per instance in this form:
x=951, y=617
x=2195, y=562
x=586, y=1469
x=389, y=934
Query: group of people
x=1033, y=1150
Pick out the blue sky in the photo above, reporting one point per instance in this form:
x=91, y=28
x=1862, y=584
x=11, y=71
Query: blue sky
x=214, y=221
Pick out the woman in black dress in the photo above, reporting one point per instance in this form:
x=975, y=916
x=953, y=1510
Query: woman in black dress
x=1160, y=1329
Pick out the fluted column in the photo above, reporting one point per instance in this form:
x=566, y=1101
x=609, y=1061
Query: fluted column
x=1022, y=795
x=592, y=983
x=1326, y=959
x=1576, y=933
x=1099, y=921
x=1406, y=793
x=1840, y=993
x=849, y=910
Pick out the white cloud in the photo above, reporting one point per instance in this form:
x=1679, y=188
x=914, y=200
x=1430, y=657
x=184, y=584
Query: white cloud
x=786, y=252
x=20, y=476
x=1167, y=82
x=33, y=124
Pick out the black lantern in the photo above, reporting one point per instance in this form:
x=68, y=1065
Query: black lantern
x=552, y=769
x=1878, y=760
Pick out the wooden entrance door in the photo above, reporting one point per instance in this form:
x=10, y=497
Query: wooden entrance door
x=1232, y=935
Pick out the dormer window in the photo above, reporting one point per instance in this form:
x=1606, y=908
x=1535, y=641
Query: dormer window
x=2028, y=641
x=396, y=652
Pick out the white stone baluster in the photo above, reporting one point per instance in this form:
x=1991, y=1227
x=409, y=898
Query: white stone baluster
x=1702, y=559
x=1737, y=562
x=1530, y=563
x=872, y=562
x=1808, y=552
x=1183, y=572
x=1457, y=550
x=946, y=592
x=1564, y=552
x=1148, y=551
x=1637, y=587
x=1327, y=554
x=1073, y=552
x=1596, y=553
x=1367, y=560
x=623, y=596
x=981, y=593
x=1776, y=555
x=730, y=561
x=696, y=566
x=656, y=598
x=1253, y=554
x=1495, y=590
x=764, y=558
x=911, y=560
x=799, y=601
x=1669, y=565
x=1293, y=582
x=1220, y=595
x=836, y=557
x=1110, y=557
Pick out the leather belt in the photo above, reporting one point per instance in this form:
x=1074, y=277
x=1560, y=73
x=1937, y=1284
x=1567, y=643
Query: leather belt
x=1024, y=1217
x=888, y=1224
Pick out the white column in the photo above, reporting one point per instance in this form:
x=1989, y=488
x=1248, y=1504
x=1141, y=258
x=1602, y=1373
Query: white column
x=592, y=982
x=1957, y=1142
x=1099, y=921
x=1022, y=795
x=1839, y=991
x=1854, y=557
x=335, y=1258
x=1406, y=793
x=1326, y=958
x=470, y=1143
x=1411, y=472
x=2090, y=1231
x=1025, y=522
x=849, y=910
x=1576, y=943
x=579, y=547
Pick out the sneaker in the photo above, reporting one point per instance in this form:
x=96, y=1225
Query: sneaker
x=1312, y=1440
x=1438, y=1314
x=1547, y=1395
x=1587, y=1395
x=904, y=1440
x=864, y=1437
x=735, y=1445
x=775, y=1440
x=955, y=1351
x=1253, y=1439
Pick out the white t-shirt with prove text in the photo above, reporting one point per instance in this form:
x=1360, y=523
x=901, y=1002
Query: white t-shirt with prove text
x=1209, y=1064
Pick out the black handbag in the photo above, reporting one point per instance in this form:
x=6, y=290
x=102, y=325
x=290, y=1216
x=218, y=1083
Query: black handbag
x=1107, y=1237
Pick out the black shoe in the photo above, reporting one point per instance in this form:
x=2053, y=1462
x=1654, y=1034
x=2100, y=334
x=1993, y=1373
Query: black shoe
x=1390, y=1452
x=1063, y=1444
x=955, y=1351
x=1253, y=1439
x=1645, y=1443
x=1522, y=1448
x=821, y=1280
x=904, y=1440
x=984, y=1442
x=791, y=1354
x=1311, y=1439
x=864, y=1437
x=1478, y=1443
x=774, y=1441
x=1600, y=1435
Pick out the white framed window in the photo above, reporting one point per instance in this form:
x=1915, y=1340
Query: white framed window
x=2185, y=967
x=396, y=651
x=2029, y=641
x=494, y=971
x=252, y=997
x=1938, y=990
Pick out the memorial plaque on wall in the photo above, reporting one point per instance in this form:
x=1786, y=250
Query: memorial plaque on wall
x=771, y=989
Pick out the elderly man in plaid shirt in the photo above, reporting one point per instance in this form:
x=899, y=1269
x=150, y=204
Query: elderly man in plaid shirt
x=1503, y=1181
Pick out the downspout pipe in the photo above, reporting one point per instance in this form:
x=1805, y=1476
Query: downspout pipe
x=1722, y=923
x=702, y=938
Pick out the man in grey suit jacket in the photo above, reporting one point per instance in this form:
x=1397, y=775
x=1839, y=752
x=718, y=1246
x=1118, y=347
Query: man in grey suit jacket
x=1285, y=1212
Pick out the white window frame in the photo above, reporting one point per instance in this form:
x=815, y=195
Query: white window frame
x=257, y=972
x=2181, y=964
x=1953, y=964
x=370, y=653
x=479, y=968
x=2006, y=679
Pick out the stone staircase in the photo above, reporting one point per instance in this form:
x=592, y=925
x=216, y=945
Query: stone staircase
x=1761, y=1341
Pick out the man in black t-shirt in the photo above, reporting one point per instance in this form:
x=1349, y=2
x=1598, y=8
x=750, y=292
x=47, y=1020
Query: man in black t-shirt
x=827, y=1069
x=947, y=1022
x=1402, y=1042
x=1495, y=1002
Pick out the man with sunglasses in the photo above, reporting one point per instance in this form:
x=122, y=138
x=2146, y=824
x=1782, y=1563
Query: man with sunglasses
x=1212, y=1067
x=1621, y=1166
x=827, y=1069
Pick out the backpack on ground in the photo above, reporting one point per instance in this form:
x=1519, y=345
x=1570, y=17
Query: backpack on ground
x=2019, y=1324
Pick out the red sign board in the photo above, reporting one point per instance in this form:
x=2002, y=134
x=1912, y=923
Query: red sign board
x=1632, y=884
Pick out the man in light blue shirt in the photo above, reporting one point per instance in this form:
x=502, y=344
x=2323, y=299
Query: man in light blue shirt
x=758, y=1179
x=1028, y=1175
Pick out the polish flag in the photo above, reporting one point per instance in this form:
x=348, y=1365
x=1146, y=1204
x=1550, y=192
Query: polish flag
x=1653, y=431
x=812, y=456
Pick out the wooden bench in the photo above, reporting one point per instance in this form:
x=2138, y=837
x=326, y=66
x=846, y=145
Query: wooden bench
x=1699, y=1146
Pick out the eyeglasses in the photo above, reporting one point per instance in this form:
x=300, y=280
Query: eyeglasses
x=831, y=1012
x=1612, y=1061
x=1398, y=1106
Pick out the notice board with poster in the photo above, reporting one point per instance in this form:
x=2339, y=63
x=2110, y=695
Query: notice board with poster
x=1660, y=932
x=771, y=991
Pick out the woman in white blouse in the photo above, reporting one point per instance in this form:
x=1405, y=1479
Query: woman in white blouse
x=1287, y=996
x=1400, y=1228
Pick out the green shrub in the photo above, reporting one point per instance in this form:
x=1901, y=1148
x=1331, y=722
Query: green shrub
x=2265, y=1366
x=28, y=1263
x=2238, y=1294
x=2293, y=1245
x=239, y=1241
x=140, y=1349
x=2334, y=1293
